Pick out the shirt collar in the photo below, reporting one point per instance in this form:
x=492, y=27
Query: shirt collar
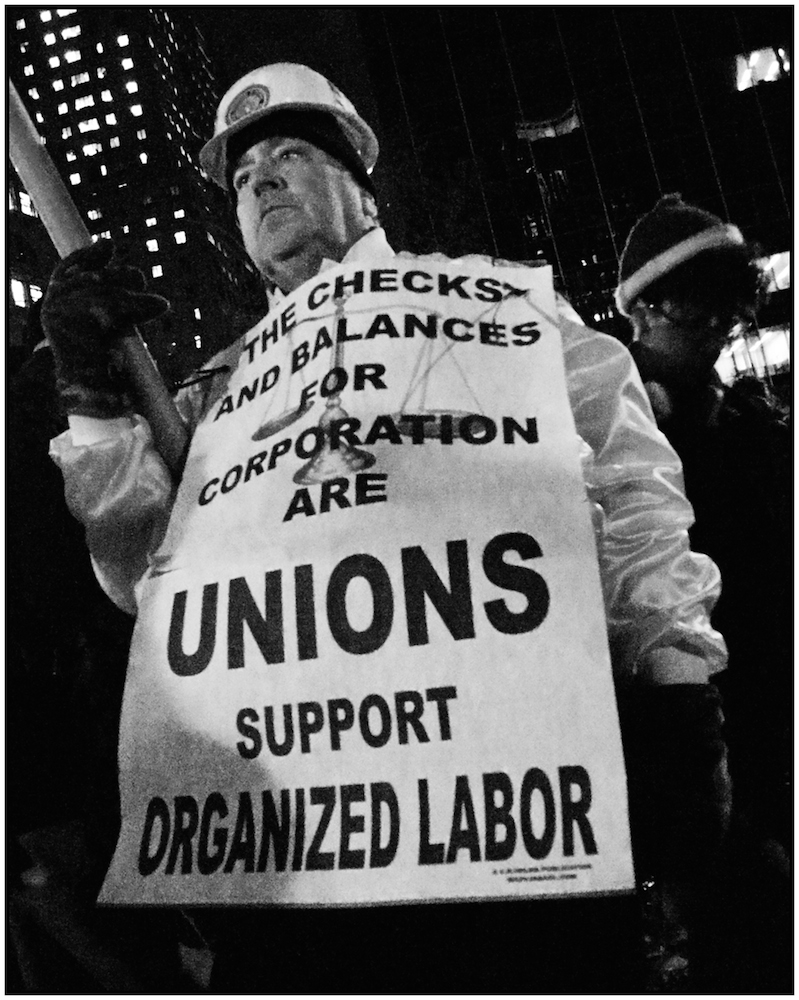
x=372, y=246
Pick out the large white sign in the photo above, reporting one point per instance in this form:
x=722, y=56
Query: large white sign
x=370, y=663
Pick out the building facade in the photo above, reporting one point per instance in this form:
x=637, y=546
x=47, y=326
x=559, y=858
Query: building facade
x=545, y=132
x=124, y=98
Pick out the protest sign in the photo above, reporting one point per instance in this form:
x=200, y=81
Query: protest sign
x=370, y=663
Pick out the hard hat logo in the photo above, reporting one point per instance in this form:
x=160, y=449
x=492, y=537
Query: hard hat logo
x=249, y=101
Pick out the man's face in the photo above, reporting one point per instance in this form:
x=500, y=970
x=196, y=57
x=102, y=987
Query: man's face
x=681, y=345
x=296, y=205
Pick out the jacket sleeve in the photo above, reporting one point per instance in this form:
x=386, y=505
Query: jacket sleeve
x=658, y=593
x=119, y=488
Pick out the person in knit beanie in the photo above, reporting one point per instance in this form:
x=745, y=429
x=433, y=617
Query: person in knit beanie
x=687, y=280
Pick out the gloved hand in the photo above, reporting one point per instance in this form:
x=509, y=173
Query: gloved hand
x=93, y=300
x=679, y=787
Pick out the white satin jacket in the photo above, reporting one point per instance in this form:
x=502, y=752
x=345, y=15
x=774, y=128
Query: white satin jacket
x=658, y=594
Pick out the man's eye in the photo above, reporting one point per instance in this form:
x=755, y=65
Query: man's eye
x=240, y=180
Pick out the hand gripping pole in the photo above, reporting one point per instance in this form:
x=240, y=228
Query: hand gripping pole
x=68, y=232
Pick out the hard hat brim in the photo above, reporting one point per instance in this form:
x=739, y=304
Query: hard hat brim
x=213, y=155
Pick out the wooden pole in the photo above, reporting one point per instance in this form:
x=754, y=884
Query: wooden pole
x=68, y=232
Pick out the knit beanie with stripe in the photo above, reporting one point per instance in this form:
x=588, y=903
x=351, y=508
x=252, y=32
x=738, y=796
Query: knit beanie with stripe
x=664, y=238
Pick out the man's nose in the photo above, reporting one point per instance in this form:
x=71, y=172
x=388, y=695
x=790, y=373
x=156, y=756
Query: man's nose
x=267, y=178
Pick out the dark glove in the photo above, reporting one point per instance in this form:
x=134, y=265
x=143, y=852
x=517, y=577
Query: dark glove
x=678, y=783
x=91, y=302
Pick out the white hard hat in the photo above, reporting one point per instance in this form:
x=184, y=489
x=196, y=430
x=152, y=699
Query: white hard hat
x=282, y=87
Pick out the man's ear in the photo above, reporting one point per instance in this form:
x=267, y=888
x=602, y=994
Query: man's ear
x=639, y=321
x=369, y=207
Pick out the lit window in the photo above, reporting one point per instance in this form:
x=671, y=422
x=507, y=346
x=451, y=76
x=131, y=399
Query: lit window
x=136, y=110
x=49, y=38
x=180, y=213
x=45, y=15
x=72, y=32
x=157, y=271
x=777, y=269
x=79, y=78
x=39, y=118
x=198, y=341
x=63, y=108
x=71, y=156
x=74, y=178
x=141, y=134
x=111, y=119
x=53, y=62
x=94, y=213
x=34, y=93
x=114, y=143
x=122, y=41
x=152, y=245
x=26, y=204
x=20, y=25
x=65, y=11
x=36, y=293
x=28, y=71
x=132, y=87
x=105, y=95
x=72, y=55
x=180, y=237
x=12, y=200
x=197, y=314
x=92, y=149
x=58, y=84
x=18, y=293
x=103, y=172
x=106, y=235
x=100, y=51
x=84, y=102
x=90, y=125
x=150, y=222
x=66, y=133
x=762, y=66
x=127, y=64
x=125, y=229
x=143, y=157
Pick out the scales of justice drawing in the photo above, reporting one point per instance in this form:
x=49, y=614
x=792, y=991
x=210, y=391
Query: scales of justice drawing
x=345, y=459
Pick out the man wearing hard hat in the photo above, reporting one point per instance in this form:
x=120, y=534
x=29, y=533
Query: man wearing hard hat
x=394, y=733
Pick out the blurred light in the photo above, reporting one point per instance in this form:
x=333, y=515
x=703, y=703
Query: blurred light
x=18, y=293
